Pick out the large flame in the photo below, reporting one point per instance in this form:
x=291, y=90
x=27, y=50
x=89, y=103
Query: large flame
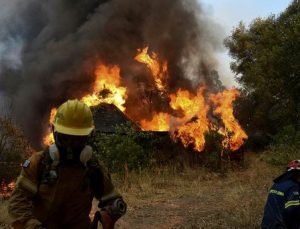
x=194, y=123
x=224, y=108
x=191, y=127
x=159, y=71
x=159, y=122
x=107, y=88
x=188, y=121
x=191, y=105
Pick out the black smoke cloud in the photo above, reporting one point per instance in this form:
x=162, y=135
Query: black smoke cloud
x=51, y=49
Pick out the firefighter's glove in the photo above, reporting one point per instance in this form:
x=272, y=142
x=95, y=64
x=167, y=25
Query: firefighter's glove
x=115, y=209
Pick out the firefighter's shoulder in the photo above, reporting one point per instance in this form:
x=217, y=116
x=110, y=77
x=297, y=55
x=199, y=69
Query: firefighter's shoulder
x=28, y=178
x=282, y=188
x=33, y=161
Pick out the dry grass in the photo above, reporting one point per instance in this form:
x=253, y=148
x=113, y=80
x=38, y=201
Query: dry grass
x=194, y=198
x=3, y=215
x=198, y=198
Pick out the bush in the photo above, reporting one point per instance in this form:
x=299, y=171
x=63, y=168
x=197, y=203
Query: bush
x=217, y=156
x=213, y=150
x=14, y=148
x=285, y=147
x=124, y=149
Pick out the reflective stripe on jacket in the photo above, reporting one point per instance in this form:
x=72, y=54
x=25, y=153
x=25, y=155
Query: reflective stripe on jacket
x=282, y=209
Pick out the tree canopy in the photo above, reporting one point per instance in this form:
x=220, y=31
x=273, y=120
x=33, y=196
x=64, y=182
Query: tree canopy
x=267, y=65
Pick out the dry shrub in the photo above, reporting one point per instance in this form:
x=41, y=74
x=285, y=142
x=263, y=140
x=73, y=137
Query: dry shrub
x=14, y=148
x=4, y=219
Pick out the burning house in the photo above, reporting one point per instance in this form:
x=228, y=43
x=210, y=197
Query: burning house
x=187, y=119
x=152, y=59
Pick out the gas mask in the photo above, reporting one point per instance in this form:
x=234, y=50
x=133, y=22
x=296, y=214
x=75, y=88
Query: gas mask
x=69, y=146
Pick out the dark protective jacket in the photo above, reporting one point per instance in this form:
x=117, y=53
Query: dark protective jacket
x=62, y=200
x=282, y=209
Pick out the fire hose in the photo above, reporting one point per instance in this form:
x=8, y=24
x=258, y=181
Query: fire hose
x=109, y=214
x=96, y=220
x=104, y=219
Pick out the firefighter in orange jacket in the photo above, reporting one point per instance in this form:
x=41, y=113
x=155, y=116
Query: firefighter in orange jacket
x=56, y=187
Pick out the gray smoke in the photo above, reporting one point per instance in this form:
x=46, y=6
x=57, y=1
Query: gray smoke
x=49, y=51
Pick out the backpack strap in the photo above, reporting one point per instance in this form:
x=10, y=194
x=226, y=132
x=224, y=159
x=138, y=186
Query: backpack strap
x=94, y=175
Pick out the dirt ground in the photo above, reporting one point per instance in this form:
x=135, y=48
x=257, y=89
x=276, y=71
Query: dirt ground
x=182, y=212
x=192, y=198
x=199, y=199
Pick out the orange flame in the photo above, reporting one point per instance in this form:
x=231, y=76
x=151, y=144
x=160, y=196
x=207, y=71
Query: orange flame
x=193, y=123
x=192, y=108
x=224, y=108
x=5, y=190
x=159, y=72
x=107, y=88
x=49, y=138
x=159, y=122
x=191, y=105
x=191, y=132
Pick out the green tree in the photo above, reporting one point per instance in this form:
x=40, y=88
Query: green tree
x=266, y=63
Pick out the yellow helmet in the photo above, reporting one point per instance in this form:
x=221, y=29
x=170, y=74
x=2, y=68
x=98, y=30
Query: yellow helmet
x=74, y=118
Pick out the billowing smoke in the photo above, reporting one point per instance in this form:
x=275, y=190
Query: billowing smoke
x=49, y=51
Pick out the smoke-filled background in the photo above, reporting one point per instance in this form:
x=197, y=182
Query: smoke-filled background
x=49, y=51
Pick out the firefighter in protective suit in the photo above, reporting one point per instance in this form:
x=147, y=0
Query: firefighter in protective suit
x=282, y=209
x=56, y=187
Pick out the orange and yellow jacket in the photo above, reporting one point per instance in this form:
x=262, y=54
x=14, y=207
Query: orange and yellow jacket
x=54, y=195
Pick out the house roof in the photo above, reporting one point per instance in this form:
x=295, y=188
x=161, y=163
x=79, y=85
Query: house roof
x=108, y=116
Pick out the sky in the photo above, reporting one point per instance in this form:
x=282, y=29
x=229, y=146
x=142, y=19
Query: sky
x=228, y=13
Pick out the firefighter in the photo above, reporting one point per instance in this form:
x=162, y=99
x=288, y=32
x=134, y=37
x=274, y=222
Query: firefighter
x=282, y=209
x=56, y=187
